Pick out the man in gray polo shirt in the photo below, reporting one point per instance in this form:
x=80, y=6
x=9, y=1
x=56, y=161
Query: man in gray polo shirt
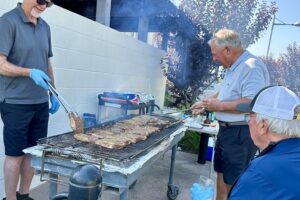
x=25, y=51
x=245, y=75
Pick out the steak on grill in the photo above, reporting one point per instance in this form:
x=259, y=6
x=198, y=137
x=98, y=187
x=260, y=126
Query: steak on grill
x=124, y=132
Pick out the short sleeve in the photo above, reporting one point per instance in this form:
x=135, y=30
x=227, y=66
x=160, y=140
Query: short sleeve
x=50, y=54
x=255, y=79
x=6, y=36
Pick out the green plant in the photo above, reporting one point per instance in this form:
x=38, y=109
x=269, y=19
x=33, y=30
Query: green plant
x=190, y=142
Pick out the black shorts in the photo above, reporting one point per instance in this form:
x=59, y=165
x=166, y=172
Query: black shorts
x=23, y=125
x=234, y=150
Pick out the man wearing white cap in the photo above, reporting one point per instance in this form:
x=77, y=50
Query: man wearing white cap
x=274, y=121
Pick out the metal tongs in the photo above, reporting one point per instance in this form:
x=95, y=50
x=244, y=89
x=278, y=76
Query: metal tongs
x=177, y=111
x=62, y=101
x=75, y=121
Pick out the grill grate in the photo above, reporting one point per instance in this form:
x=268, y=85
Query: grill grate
x=67, y=144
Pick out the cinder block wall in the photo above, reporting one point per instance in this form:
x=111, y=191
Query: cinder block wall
x=90, y=58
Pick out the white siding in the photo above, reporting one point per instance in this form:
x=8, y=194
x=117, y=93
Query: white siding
x=90, y=58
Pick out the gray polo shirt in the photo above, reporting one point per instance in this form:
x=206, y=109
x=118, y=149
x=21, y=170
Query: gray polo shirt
x=243, y=79
x=25, y=45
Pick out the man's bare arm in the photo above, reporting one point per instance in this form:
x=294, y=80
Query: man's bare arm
x=198, y=107
x=9, y=69
x=215, y=105
x=50, y=72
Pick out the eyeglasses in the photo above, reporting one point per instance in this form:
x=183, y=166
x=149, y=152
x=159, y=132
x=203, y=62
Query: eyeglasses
x=248, y=117
x=44, y=2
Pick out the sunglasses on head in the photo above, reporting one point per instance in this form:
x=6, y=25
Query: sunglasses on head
x=44, y=2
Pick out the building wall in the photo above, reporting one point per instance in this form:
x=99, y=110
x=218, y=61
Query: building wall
x=90, y=58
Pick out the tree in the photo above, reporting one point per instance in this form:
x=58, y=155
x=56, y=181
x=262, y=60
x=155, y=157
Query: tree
x=286, y=69
x=248, y=17
x=186, y=75
x=188, y=65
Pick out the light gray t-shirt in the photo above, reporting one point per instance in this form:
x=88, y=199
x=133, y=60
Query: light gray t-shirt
x=243, y=79
x=25, y=45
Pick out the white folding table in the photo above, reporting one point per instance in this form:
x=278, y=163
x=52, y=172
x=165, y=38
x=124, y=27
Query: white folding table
x=205, y=132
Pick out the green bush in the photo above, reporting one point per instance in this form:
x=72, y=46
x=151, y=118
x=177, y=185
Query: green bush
x=190, y=142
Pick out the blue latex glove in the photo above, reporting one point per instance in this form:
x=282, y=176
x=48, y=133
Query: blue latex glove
x=199, y=192
x=39, y=77
x=54, y=105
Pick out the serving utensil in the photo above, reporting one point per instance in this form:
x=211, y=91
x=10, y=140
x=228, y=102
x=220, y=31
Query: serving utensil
x=177, y=111
x=75, y=121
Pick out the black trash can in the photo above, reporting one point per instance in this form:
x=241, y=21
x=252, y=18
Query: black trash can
x=85, y=183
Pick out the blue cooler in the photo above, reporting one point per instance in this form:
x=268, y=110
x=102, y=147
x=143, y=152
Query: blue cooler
x=210, y=147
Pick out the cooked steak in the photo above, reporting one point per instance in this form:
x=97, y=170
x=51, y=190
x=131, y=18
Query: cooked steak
x=123, y=133
x=76, y=123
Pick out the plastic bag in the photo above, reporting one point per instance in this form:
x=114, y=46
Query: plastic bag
x=204, y=190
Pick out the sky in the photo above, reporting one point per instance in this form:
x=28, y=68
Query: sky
x=288, y=12
x=175, y=2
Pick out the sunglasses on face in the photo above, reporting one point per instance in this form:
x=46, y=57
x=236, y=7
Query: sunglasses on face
x=44, y=2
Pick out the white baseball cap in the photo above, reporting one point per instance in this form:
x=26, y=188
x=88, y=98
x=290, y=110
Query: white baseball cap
x=273, y=101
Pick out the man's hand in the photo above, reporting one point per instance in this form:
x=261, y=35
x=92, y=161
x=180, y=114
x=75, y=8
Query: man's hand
x=54, y=105
x=198, y=111
x=198, y=108
x=39, y=77
x=197, y=105
x=213, y=105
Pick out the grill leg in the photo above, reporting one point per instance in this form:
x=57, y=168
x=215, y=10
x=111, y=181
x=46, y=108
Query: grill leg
x=172, y=189
x=203, y=148
x=52, y=185
x=174, y=148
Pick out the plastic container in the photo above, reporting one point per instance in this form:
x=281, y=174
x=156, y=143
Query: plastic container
x=89, y=119
x=209, y=152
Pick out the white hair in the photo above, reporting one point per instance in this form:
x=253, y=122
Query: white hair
x=226, y=37
x=289, y=128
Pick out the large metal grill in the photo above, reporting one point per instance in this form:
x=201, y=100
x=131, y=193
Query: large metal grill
x=66, y=145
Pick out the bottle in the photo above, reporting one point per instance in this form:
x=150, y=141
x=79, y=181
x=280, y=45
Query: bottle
x=211, y=116
x=207, y=120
